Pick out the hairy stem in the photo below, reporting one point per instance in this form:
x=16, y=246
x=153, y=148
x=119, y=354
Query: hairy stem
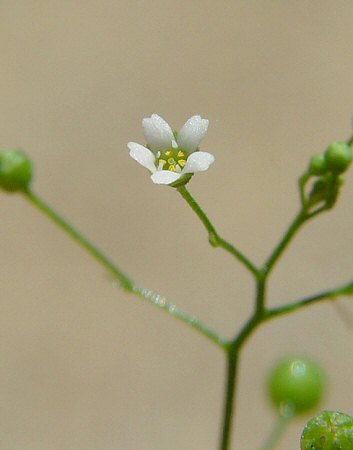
x=126, y=282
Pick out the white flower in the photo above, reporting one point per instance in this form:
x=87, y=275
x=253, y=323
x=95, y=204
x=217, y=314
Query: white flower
x=169, y=157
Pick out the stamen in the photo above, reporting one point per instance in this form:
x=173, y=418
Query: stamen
x=172, y=159
x=162, y=162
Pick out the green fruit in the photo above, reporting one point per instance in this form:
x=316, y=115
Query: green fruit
x=330, y=430
x=15, y=171
x=296, y=383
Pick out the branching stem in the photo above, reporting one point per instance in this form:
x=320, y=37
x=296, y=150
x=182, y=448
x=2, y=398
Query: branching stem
x=126, y=282
x=214, y=238
x=261, y=312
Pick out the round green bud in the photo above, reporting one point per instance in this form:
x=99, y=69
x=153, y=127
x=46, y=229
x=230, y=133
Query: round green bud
x=296, y=383
x=317, y=165
x=330, y=430
x=15, y=171
x=338, y=157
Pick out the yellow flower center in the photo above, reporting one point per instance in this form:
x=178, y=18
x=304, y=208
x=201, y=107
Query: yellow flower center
x=172, y=159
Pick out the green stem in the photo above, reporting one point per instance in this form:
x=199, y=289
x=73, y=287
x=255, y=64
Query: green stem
x=330, y=294
x=152, y=297
x=234, y=348
x=260, y=296
x=161, y=302
x=301, y=184
x=125, y=281
x=299, y=219
x=277, y=432
x=229, y=396
x=214, y=238
x=260, y=316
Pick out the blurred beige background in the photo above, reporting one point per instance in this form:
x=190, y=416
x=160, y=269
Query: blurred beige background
x=86, y=366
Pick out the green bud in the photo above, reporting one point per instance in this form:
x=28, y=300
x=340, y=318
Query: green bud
x=325, y=190
x=338, y=157
x=297, y=383
x=330, y=430
x=319, y=190
x=15, y=171
x=317, y=165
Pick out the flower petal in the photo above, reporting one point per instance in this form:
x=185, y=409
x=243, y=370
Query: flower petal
x=198, y=162
x=165, y=177
x=142, y=155
x=191, y=133
x=157, y=132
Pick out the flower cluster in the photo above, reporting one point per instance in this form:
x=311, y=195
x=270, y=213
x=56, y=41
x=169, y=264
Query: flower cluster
x=172, y=158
